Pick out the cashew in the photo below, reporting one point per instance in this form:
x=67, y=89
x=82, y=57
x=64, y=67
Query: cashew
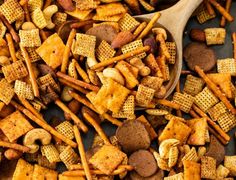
x=65, y=96
x=36, y=134
x=12, y=154
x=91, y=61
x=4, y=60
x=114, y=74
x=165, y=146
x=48, y=13
x=201, y=151
x=160, y=31
x=143, y=70
x=161, y=163
x=28, y=26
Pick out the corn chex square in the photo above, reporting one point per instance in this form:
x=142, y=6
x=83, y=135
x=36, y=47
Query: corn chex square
x=208, y=167
x=43, y=161
x=11, y=10
x=30, y=38
x=230, y=164
x=59, y=18
x=104, y=51
x=85, y=45
x=6, y=91
x=38, y=18
x=144, y=95
x=171, y=46
x=184, y=100
x=66, y=128
x=217, y=110
x=132, y=46
x=34, y=4
x=51, y=153
x=127, y=23
x=69, y=156
x=203, y=15
x=215, y=35
x=48, y=80
x=86, y=4
x=193, y=85
x=227, y=65
x=23, y=90
x=227, y=121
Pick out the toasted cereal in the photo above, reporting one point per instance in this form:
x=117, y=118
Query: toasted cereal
x=227, y=65
x=51, y=51
x=44, y=173
x=68, y=156
x=104, y=51
x=32, y=54
x=3, y=29
x=6, y=91
x=171, y=116
x=60, y=147
x=193, y=85
x=38, y=18
x=217, y=110
x=107, y=158
x=192, y=170
x=156, y=112
x=23, y=170
x=151, y=62
x=205, y=99
x=215, y=36
x=208, y=167
x=144, y=95
x=179, y=176
x=86, y=4
x=43, y=161
x=23, y=90
x=146, y=6
x=30, y=38
x=227, y=121
x=191, y=155
x=110, y=9
x=66, y=128
x=134, y=6
x=15, y=125
x=48, y=94
x=59, y=18
x=132, y=46
x=221, y=172
x=173, y=156
x=72, y=69
x=14, y=71
x=79, y=14
x=12, y=10
x=127, y=23
x=230, y=164
x=172, y=50
x=207, y=136
x=51, y=153
x=85, y=45
x=48, y=80
x=184, y=100
x=203, y=15
x=34, y=4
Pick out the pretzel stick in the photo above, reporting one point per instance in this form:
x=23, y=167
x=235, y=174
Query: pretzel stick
x=26, y=10
x=234, y=44
x=31, y=72
x=15, y=146
x=78, y=88
x=81, y=72
x=66, y=53
x=11, y=47
x=186, y=72
x=220, y=138
x=17, y=106
x=194, y=114
x=81, y=24
x=78, y=167
x=82, y=153
x=227, y=8
x=91, y=106
x=149, y=25
x=222, y=10
x=165, y=102
x=163, y=47
x=209, y=7
x=76, y=119
x=47, y=3
x=77, y=82
x=177, y=89
x=139, y=29
x=43, y=35
x=215, y=89
x=212, y=123
x=12, y=31
x=120, y=57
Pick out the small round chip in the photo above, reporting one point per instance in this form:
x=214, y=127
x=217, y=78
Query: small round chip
x=132, y=136
x=143, y=162
x=199, y=54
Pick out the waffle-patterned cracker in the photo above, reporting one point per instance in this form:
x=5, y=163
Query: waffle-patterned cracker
x=6, y=91
x=14, y=71
x=144, y=95
x=172, y=50
x=23, y=90
x=104, y=51
x=12, y=10
x=43, y=161
x=208, y=167
x=48, y=80
x=184, y=100
x=38, y=18
x=215, y=36
x=68, y=156
x=34, y=4
x=30, y=38
x=191, y=155
x=127, y=23
x=132, y=46
x=51, y=153
x=86, y=4
x=66, y=128
x=193, y=85
x=227, y=121
x=230, y=164
x=217, y=110
x=152, y=82
x=227, y=65
x=203, y=15
x=33, y=54
x=59, y=18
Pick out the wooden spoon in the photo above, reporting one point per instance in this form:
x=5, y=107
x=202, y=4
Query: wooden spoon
x=174, y=20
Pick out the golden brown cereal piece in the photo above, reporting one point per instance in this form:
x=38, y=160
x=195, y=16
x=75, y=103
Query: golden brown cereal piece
x=227, y=121
x=107, y=158
x=203, y=15
x=104, y=51
x=175, y=129
x=230, y=164
x=172, y=50
x=86, y=4
x=222, y=172
x=197, y=136
x=30, y=38
x=33, y=4
x=110, y=9
x=23, y=90
x=59, y=18
x=132, y=46
x=128, y=23
x=68, y=156
x=72, y=69
x=6, y=91
x=217, y=110
x=38, y=18
x=80, y=14
x=15, y=125
x=192, y=170
x=193, y=85
x=24, y=170
x=48, y=80
x=208, y=167
x=43, y=161
x=184, y=100
x=43, y=173
x=144, y=95
x=226, y=66
x=111, y=95
x=51, y=51
x=215, y=35
x=205, y=99
x=152, y=82
x=51, y=153
x=66, y=128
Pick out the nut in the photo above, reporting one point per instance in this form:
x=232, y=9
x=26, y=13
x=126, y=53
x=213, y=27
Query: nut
x=66, y=5
x=48, y=13
x=12, y=154
x=74, y=106
x=91, y=61
x=114, y=74
x=143, y=70
x=197, y=35
x=36, y=134
x=121, y=39
x=65, y=96
x=28, y=26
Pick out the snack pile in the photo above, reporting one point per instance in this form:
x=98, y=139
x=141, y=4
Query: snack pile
x=96, y=63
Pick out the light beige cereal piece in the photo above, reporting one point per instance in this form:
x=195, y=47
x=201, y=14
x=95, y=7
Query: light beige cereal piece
x=215, y=36
x=230, y=164
x=23, y=90
x=14, y=71
x=66, y=128
x=85, y=45
x=179, y=176
x=146, y=6
x=34, y=4
x=172, y=50
x=193, y=85
x=107, y=159
x=173, y=156
x=132, y=46
x=43, y=173
x=43, y=161
x=201, y=151
x=86, y=4
x=221, y=172
x=23, y=170
x=59, y=18
x=97, y=141
x=144, y=95
x=208, y=167
x=203, y=15
x=6, y=91
x=114, y=18
x=192, y=170
x=152, y=82
x=51, y=153
x=191, y=155
x=205, y=99
x=72, y=69
x=227, y=65
x=3, y=30
x=32, y=54
x=68, y=156
x=60, y=147
x=38, y=18
x=217, y=110
x=11, y=10
x=51, y=51
x=110, y=9
x=104, y=51
x=227, y=121
x=127, y=23
x=15, y=125
x=30, y=38
x=49, y=80
x=184, y=100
